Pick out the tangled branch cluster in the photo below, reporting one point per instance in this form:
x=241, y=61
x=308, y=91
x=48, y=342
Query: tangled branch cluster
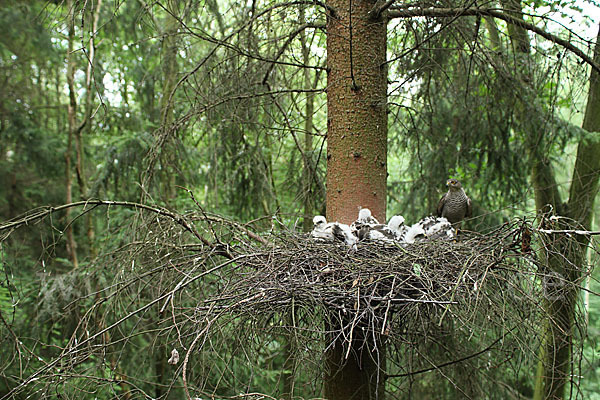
x=206, y=293
x=290, y=285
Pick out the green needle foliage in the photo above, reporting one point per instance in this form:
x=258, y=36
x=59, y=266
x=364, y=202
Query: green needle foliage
x=221, y=107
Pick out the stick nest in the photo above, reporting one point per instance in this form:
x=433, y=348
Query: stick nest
x=430, y=302
x=220, y=293
x=291, y=269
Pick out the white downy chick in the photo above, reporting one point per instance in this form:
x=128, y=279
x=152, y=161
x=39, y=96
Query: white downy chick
x=344, y=233
x=365, y=219
x=379, y=232
x=321, y=229
x=438, y=228
x=332, y=231
x=414, y=233
x=396, y=224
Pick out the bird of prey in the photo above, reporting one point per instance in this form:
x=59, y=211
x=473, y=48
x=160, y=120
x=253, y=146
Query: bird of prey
x=415, y=233
x=344, y=233
x=437, y=228
x=396, y=224
x=364, y=218
x=380, y=232
x=367, y=227
x=332, y=231
x=429, y=228
x=321, y=230
x=454, y=205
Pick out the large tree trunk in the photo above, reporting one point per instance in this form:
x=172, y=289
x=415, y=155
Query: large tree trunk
x=565, y=257
x=356, y=166
x=356, y=111
x=568, y=256
x=584, y=186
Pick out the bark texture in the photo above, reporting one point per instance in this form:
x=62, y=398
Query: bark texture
x=356, y=167
x=170, y=48
x=86, y=125
x=71, y=116
x=566, y=257
x=360, y=376
x=357, y=111
x=584, y=186
x=555, y=367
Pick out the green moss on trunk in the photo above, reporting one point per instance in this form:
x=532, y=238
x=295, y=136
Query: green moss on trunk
x=567, y=257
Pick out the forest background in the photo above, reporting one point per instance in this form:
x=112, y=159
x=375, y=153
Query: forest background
x=221, y=107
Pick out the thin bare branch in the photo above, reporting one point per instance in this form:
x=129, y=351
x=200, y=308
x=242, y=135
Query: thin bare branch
x=465, y=12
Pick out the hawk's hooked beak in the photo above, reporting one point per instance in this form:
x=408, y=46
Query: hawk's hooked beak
x=448, y=182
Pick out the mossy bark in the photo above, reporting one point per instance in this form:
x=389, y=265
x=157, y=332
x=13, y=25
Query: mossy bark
x=565, y=257
x=360, y=375
x=169, y=69
x=71, y=116
x=554, y=369
x=356, y=111
x=584, y=186
x=356, y=167
x=561, y=290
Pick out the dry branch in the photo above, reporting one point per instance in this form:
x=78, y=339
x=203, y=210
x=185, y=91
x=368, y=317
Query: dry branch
x=495, y=13
x=437, y=304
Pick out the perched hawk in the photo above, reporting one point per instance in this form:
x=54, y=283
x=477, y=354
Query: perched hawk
x=454, y=205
